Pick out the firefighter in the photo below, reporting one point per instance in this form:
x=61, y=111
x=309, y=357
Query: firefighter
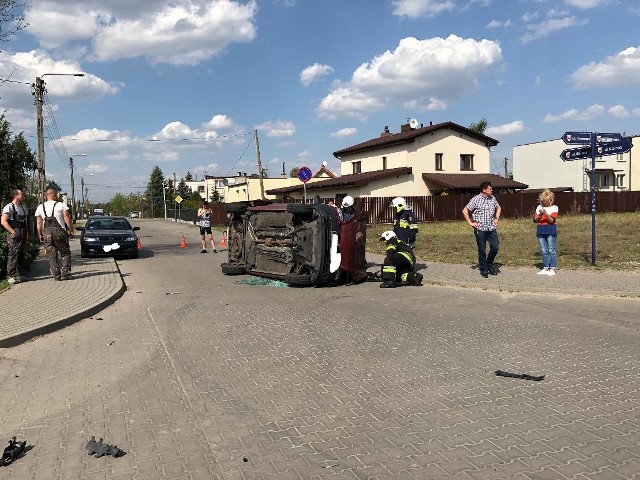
x=348, y=208
x=399, y=263
x=404, y=226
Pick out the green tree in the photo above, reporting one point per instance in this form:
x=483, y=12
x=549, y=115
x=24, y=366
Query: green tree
x=154, y=194
x=215, y=197
x=119, y=205
x=294, y=172
x=17, y=161
x=11, y=18
x=479, y=127
x=188, y=177
x=183, y=190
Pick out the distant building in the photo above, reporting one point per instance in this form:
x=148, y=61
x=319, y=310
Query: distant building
x=539, y=164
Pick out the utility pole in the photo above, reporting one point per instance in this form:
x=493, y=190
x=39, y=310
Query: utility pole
x=175, y=204
x=74, y=217
x=38, y=92
x=506, y=173
x=82, y=193
x=259, y=166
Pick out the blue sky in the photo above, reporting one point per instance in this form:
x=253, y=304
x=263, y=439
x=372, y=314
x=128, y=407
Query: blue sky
x=183, y=83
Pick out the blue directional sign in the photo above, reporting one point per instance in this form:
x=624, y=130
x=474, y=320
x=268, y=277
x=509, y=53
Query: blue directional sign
x=577, y=138
x=608, y=137
x=304, y=174
x=613, y=148
x=575, y=154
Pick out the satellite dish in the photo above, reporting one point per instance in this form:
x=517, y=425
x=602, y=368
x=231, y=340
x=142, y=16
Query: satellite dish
x=324, y=164
x=413, y=123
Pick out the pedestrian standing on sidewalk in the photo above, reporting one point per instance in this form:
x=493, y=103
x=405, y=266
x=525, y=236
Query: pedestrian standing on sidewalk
x=482, y=213
x=14, y=221
x=546, y=216
x=204, y=216
x=54, y=229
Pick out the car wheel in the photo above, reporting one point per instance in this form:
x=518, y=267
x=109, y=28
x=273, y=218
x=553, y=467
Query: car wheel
x=235, y=208
x=298, y=280
x=299, y=208
x=230, y=269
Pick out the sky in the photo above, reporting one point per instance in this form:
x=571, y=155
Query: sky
x=183, y=84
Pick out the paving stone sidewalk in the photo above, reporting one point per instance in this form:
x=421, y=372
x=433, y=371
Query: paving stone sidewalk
x=41, y=305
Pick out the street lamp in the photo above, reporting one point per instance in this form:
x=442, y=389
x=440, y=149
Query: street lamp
x=85, y=193
x=73, y=187
x=38, y=92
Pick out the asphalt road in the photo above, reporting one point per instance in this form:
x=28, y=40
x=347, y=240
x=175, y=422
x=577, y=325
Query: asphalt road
x=195, y=376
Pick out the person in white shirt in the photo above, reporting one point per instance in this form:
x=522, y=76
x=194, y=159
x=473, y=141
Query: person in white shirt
x=54, y=229
x=14, y=221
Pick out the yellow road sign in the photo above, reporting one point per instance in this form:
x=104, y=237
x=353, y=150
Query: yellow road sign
x=179, y=199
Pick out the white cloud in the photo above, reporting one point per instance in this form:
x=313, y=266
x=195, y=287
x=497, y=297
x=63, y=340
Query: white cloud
x=344, y=133
x=618, y=111
x=589, y=113
x=180, y=33
x=421, y=8
x=621, y=69
x=498, y=24
x=287, y=143
x=314, y=73
x=95, y=168
x=305, y=154
x=587, y=3
x=430, y=72
x=548, y=27
x=506, y=129
x=279, y=128
x=636, y=112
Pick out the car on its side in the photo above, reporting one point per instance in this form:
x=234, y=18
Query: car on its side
x=108, y=236
x=299, y=244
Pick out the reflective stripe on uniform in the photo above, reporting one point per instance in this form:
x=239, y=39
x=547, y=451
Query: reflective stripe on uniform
x=407, y=256
x=414, y=226
x=391, y=247
x=404, y=224
x=404, y=277
x=388, y=269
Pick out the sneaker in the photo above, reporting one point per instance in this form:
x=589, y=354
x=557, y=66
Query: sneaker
x=203, y=251
x=484, y=274
x=417, y=279
x=544, y=271
x=551, y=272
x=215, y=251
x=493, y=270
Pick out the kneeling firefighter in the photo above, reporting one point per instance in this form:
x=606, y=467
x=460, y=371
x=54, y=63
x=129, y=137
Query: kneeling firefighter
x=399, y=263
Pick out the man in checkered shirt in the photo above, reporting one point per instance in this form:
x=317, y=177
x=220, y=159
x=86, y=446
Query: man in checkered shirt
x=485, y=213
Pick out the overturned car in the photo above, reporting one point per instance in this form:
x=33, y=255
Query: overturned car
x=299, y=244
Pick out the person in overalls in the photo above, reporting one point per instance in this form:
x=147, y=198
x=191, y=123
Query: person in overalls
x=51, y=218
x=14, y=220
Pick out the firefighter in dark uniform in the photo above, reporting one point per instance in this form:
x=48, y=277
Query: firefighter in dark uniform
x=399, y=263
x=404, y=226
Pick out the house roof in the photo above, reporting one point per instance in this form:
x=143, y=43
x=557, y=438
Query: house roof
x=409, y=136
x=470, y=180
x=355, y=180
x=324, y=169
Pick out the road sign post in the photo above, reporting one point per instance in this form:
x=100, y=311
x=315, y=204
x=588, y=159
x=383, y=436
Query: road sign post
x=593, y=144
x=304, y=175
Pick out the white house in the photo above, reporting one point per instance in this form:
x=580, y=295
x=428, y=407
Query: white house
x=417, y=161
x=540, y=165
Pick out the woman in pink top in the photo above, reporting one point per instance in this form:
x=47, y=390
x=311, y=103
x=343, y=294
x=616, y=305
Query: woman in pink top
x=545, y=216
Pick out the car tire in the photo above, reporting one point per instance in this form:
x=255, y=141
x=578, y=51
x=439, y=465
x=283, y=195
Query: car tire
x=299, y=208
x=235, y=208
x=230, y=269
x=298, y=280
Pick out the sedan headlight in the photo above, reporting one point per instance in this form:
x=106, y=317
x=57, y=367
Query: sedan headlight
x=131, y=239
x=90, y=239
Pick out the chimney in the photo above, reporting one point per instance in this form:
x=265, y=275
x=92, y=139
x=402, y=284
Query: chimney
x=405, y=128
x=386, y=132
x=283, y=174
x=239, y=174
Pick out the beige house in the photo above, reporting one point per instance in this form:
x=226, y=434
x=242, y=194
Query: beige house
x=417, y=161
x=540, y=165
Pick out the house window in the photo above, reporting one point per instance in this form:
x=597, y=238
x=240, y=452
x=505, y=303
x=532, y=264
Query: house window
x=466, y=162
x=439, y=161
x=620, y=180
x=603, y=180
x=219, y=183
x=357, y=167
x=200, y=188
x=384, y=163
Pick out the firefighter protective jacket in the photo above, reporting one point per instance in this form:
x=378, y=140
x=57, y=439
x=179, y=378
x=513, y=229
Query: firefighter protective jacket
x=405, y=227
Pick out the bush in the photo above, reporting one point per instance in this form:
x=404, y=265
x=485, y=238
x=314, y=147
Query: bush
x=26, y=262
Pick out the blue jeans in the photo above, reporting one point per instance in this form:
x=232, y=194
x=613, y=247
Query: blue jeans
x=548, y=250
x=482, y=237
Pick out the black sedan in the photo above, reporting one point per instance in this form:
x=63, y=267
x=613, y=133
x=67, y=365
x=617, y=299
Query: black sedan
x=113, y=236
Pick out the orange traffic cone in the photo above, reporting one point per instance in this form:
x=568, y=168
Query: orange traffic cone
x=139, y=243
x=223, y=241
x=183, y=242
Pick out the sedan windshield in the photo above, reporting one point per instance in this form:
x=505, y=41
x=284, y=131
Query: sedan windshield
x=108, y=224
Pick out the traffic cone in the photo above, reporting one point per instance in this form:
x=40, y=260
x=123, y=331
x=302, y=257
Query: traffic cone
x=139, y=243
x=223, y=241
x=183, y=242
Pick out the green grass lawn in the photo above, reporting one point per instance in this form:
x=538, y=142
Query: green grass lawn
x=617, y=242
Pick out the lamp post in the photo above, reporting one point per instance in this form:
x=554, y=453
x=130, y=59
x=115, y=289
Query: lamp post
x=73, y=186
x=38, y=92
